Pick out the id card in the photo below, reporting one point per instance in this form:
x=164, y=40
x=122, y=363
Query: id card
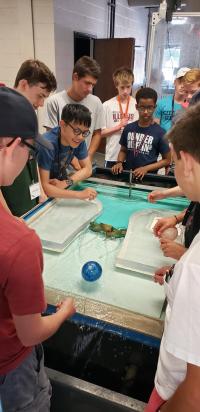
x=34, y=190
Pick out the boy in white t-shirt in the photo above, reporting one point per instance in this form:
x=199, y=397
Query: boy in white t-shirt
x=119, y=111
x=177, y=379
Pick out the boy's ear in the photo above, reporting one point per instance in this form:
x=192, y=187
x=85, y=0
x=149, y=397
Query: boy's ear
x=75, y=76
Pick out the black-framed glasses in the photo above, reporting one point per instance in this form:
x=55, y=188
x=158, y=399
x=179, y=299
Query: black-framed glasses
x=146, y=108
x=78, y=131
x=23, y=141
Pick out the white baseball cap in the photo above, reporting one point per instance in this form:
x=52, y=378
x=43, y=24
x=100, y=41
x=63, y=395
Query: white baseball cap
x=181, y=72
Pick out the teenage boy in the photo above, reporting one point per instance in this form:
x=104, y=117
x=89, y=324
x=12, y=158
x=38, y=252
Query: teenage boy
x=168, y=106
x=142, y=141
x=84, y=77
x=68, y=141
x=35, y=81
x=119, y=111
x=23, y=382
x=177, y=378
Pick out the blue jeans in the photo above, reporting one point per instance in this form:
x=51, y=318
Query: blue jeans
x=27, y=387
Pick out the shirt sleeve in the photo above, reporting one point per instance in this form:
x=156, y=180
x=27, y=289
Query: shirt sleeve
x=81, y=152
x=45, y=158
x=51, y=113
x=182, y=338
x=100, y=119
x=158, y=110
x=24, y=289
x=123, y=138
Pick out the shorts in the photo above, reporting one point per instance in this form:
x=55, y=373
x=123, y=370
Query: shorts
x=155, y=402
x=27, y=387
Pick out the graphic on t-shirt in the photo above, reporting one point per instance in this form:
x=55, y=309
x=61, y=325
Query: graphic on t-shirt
x=117, y=116
x=139, y=143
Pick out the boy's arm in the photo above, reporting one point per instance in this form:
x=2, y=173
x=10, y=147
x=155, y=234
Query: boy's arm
x=95, y=142
x=34, y=329
x=118, y=167
x=84, y=172
x=187, y=395
x=109, y=131
x=57, y=188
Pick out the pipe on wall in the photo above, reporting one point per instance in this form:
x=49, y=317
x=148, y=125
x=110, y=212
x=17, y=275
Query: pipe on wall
x=112, y=5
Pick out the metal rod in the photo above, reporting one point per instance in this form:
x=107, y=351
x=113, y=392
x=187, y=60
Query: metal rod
x=130, y=183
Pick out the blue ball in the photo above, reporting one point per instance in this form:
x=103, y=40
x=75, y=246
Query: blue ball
x=91, y=271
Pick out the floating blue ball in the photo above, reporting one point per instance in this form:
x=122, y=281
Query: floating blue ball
x=91, y=271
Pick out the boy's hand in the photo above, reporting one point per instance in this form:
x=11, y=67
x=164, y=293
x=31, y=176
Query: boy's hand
x=163, y=224
x=118, y=168
x=172, y=249
x=140, y=172
x=88, y=193
x=155, y=195
x=67, y=307
x=61, y=184
x=123, y=122
x=160, y=274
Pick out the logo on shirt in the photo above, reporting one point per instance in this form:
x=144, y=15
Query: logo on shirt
x=139, y=142
x=117, y=116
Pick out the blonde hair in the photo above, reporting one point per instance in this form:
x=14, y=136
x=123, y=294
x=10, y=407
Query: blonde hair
x=192, y=76
x=123, y=75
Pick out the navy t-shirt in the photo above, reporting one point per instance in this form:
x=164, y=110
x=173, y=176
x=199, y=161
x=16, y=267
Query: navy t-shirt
x=143, y=144
x=60, y=156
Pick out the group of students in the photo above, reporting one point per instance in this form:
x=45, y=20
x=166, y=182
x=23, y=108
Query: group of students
x=74, y=120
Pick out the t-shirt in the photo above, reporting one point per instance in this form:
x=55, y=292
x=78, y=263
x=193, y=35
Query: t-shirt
x=143, y=144
x=60, y=156
x=17, y=195
x=164, y=111
x=21, y=285
x=181, y=339
x=112, y=119
x=191, y=221
x=56, y=102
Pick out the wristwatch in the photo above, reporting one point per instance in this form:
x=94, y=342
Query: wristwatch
x=69, y=183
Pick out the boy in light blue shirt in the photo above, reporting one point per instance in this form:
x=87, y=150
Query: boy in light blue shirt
x=168, y=106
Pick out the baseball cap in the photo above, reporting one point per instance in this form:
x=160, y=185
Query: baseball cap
x=18, y=118
x=181, y=72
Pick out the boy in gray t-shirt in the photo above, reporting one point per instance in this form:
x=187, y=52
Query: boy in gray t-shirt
x=85, y=75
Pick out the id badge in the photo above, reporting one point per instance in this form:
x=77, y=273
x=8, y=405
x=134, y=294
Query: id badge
x=34, y=190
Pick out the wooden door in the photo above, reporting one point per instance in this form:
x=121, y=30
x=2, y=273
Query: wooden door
x=111, y=54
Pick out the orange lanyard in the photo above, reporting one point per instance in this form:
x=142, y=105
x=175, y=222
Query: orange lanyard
x=123, y=114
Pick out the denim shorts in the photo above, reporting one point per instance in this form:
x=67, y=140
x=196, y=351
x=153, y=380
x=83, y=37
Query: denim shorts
x=26, y=388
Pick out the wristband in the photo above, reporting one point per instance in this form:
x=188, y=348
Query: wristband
x=176, y=219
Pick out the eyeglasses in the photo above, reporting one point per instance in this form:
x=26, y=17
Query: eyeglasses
x=78, y=131
x=23, y=141
x=144, y=108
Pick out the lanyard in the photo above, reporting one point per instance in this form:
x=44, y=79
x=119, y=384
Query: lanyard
x=172, y=115
x=137, y=150
x=123, y=114
x=30, y=170
x=64, y=163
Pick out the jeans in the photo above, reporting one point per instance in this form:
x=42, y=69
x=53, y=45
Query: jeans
x=27, y=387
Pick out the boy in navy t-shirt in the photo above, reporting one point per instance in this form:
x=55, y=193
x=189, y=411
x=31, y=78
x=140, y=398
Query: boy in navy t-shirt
x=142, y=141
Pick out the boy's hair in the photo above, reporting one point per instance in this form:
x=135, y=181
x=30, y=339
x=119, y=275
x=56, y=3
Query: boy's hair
x=192, y=76
x=76, y=113
x=146, y=93
x=35, y=71
x=184, y=135
x=86, y=66
x=123, y=75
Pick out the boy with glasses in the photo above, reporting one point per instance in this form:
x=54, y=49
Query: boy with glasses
x=142, y=141
x=24, y=385
x=68, y=140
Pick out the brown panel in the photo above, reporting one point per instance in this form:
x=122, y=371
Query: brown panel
x=111, y=54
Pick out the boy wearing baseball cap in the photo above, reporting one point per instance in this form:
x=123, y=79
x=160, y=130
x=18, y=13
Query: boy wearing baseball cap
x=23, y=382
x=168, y=106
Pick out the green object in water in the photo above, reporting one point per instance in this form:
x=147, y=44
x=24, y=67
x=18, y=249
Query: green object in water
x=109, y=231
